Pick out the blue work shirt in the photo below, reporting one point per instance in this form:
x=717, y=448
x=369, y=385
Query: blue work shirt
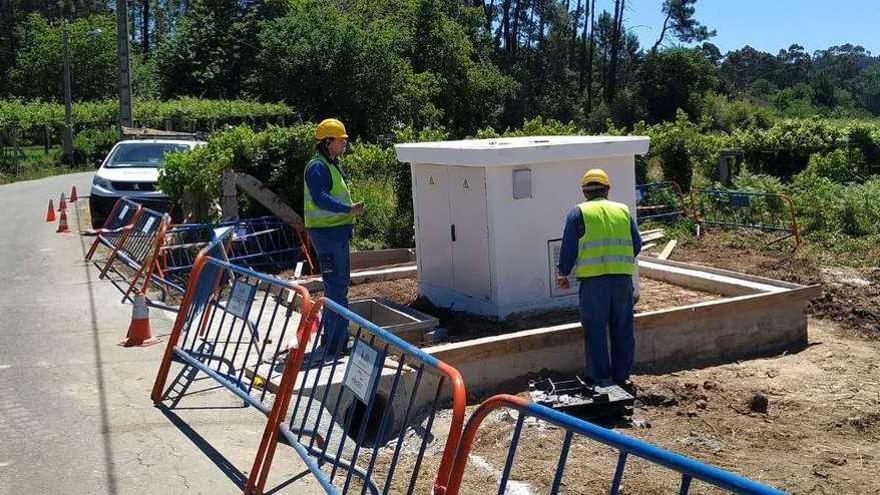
x=320, y=182
x=575, y=229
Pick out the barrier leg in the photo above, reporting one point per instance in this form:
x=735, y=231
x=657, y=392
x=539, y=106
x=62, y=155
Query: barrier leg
x=266, y=452
x=165, y=364
x=93, y=248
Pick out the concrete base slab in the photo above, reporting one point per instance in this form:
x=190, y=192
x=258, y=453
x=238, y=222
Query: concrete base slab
x=764, y=317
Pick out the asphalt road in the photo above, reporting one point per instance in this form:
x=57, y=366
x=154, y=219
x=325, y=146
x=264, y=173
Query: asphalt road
x=75, y=414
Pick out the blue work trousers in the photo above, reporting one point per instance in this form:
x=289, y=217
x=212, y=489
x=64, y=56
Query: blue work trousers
x=606, y=304
x=332, y=246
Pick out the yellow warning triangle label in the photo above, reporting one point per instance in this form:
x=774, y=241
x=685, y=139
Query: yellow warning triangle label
x=465, y=184
x=430, y=180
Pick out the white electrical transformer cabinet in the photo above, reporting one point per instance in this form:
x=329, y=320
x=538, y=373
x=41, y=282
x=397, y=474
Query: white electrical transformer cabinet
x=489, y=215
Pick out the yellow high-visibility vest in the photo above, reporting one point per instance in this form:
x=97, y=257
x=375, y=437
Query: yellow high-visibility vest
x=606, y=248
x=315, y=217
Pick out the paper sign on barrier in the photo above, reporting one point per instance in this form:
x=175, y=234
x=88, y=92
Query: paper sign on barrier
x=241, y=298
x=149, y=223
x=362, y=370
x=124, y=211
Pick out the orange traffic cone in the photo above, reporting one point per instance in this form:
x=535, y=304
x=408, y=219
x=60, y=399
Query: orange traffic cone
x=139, y=329
x=62, y=205
x=50, y=215
x=73, y=194
x=62, y=223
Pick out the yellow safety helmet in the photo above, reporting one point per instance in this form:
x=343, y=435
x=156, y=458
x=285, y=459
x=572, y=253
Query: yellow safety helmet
x=596, y=176
x=330, y=128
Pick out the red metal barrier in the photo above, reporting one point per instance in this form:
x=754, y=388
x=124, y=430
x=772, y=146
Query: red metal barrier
x=393, y=353
x=121, y=219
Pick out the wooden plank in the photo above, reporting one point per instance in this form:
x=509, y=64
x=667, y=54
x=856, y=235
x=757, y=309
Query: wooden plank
x=727, y=273
x=648, y=246
x=229, y=199
x=652, y=231
x=365, y=276
x=660, y=321
x=667, y=251
x=270, y=200
x=381, y=257
x=653, y=237
x=693, y=278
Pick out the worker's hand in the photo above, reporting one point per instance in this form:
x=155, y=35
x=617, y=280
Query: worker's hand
x=357, y=209
x=562, y=282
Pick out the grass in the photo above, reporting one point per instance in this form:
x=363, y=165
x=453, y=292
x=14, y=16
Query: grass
x=35, y=164
x=826, y=249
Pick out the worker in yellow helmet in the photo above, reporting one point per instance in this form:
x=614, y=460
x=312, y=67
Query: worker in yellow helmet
x=329, y=215
x=600, y=242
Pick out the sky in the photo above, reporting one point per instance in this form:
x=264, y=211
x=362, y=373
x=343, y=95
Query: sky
x=768, y=25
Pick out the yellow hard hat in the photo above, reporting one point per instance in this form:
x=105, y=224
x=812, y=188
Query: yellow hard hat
x=596, y=176
x=330, y=128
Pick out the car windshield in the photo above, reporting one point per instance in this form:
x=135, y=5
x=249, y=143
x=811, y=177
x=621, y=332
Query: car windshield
x=142, y=154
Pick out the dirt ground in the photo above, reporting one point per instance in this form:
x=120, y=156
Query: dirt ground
x=655, y=295
x=851, y=296
x=805, y=422
x=818, y=431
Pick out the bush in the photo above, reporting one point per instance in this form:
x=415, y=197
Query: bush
x=784, y=149
x=681, y=148
x=92, y=145
x=839, y=166
x=187, y=114
x=747, y=181
x=383, y=184
x=859, y=213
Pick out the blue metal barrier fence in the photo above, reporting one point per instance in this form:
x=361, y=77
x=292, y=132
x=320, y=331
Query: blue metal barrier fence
x=117, y=223
x=264, y=243
x=660, y=201
x=689, y=469
x=763, y=211
x=234, y=325
x=375, y=410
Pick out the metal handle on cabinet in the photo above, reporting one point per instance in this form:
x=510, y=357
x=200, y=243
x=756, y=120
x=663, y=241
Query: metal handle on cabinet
x=453, y=232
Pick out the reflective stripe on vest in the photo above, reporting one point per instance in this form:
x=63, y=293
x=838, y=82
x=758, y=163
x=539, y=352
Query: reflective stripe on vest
x=606, y=248
x=608, y=258
x=606, y=242
x=315, y=216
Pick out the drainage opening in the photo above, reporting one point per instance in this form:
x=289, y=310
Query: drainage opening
x=358, y=413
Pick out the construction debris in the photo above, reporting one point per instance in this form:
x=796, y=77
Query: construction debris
x=653, y=235
x=667, y=251
x=582, y=398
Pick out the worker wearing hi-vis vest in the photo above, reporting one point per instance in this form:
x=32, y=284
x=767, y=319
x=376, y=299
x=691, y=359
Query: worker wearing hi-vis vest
x=600, y=242
x=329, y=217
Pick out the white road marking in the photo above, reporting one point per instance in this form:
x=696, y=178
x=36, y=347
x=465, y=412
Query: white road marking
x=5, y=366
x=513, y=487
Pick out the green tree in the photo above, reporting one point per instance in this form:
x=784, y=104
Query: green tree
x=210, y=52
x=450, y=47
x=743, y=67
x=301, y=62
x=674, y=79
x=680, y=22
x=868, y=88
x=795, y=65
x=38, y=74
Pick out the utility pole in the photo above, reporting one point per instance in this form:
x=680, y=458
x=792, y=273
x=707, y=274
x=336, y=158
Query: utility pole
x=124, y=84
x=68, y=112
